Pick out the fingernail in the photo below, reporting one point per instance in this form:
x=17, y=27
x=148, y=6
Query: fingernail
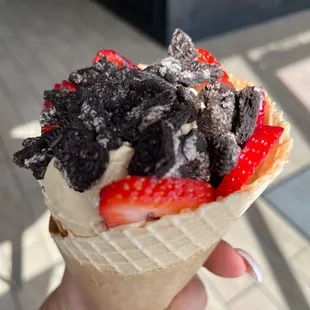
x=253, y=268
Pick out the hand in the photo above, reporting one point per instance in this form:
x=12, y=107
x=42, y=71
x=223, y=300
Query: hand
x=224, y=261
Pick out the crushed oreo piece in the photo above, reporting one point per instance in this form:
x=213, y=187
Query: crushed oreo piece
x=69, y=137
x=147, y=109
x=224, y=153
x=195, y=150
x=153, y=114
x=217, y=117
x=248, y=103
x=182, y=47
x=109, y=138
x=193, y=143
x=83, y=164
x=213, y=121
x=154, y=152
x=34, y=156
x=185, y=73
x=85, y=77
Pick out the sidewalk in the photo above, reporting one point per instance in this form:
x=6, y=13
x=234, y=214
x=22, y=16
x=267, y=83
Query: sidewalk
x=36, y=52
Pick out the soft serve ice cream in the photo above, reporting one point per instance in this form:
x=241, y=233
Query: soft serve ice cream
x=78, y=211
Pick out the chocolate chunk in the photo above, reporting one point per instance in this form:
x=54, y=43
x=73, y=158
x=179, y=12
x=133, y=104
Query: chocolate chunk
x=154, y=152
x=83, y=164
x=248, y=103
x=182, y=47
x=224, y=153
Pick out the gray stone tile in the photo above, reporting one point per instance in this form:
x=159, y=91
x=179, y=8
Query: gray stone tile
x=6, y=300
x=5, y=31
x=35, y=290
x=254, y=297
x=296, y=77
x=21, y=90
x=10, y=114
x=33, y=68
x=40, y=225
x=292, y=198
x=10, y=145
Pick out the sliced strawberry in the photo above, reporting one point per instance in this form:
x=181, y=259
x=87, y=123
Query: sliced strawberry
x=206, y=57
x=255, y=150
x=135, y=198
x=47, y=105
x=48, y=128
x=115, y=57
x=69, y=86
x=261, y=114
x=66, y=85
x=58, y=86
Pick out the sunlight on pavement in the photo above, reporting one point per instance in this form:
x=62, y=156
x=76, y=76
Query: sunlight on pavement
x=30, y=129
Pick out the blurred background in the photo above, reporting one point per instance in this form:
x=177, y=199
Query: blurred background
x=266, y=42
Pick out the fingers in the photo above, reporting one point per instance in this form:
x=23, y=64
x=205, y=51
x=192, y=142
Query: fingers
x=225, y=261
x=192, y=297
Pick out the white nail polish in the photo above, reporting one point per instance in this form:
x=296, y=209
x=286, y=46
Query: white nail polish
x=253, y=269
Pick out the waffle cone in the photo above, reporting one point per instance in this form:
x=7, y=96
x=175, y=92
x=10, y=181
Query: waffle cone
x=144, y=267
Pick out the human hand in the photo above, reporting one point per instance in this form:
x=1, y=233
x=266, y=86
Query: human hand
x=224, y=261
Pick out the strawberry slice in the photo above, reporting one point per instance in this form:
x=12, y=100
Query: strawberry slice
x=58, y=86
x=66, y=85
x=206, y=57
x=47, y=105
x=48, y=128
x=255, y=150
x=135, y=198
x=69, y=86
x=261, y=113
x=115, y=57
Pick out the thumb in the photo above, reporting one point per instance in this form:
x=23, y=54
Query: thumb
x=192, y=297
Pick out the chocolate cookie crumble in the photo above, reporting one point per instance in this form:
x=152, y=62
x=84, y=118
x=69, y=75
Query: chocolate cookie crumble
x=104, y=105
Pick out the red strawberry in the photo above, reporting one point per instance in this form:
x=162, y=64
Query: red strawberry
x=47, y=105
x=255, y=150
x=66, y=85
x=135, y=198
x=48, y=128
x=261, y=114
x=115, y=57
x=207, y=57
x=69, y=86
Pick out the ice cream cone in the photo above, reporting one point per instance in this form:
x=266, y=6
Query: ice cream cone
x=144, y=267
